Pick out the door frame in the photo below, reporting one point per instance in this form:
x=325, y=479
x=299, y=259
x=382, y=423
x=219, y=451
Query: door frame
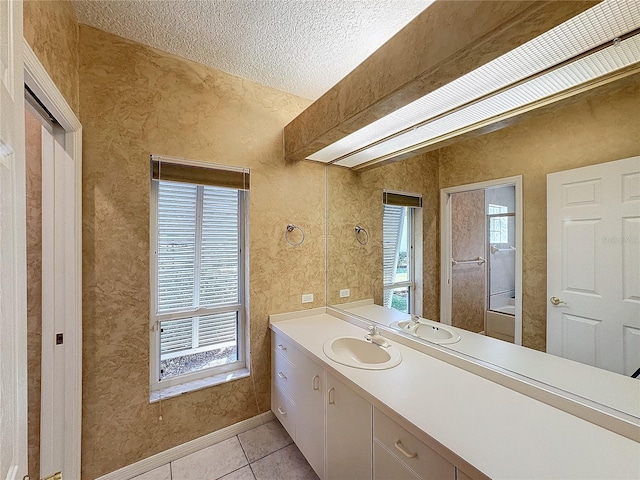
x=41, y=84
x=13, y=256
x=445, y=246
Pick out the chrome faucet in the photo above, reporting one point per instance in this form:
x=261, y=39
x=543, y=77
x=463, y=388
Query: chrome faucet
x=374, y=337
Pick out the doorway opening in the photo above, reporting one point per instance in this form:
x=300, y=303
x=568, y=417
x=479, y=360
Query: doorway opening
x=53, y=174
x=481, y=258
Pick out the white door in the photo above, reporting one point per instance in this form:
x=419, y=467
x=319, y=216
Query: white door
x=58, y=303
x=13, y=310
x=593, y=265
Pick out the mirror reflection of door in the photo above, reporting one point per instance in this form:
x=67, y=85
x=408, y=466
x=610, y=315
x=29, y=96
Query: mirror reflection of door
x=468, y=273
x=483, y=269
x=593, y=265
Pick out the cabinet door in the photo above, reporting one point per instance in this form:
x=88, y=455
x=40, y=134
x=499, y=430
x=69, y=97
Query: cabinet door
x=388, y=467
x=460, y=475
x=310, y=388
x=349, y=433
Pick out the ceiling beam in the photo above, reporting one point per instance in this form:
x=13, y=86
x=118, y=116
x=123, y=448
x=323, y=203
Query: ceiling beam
x=446, y=41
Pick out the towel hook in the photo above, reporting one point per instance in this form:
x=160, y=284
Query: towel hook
x=290, y=228
x=361, y=241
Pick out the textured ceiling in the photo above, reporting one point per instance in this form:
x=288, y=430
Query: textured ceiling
x=300, y=46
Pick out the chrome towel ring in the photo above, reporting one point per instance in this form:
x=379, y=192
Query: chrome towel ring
x=362, y=240
x=290, y=228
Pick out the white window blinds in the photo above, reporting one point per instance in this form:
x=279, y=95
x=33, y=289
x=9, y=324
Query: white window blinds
x=177, y=212
x=391, y=231
x=220, y=247
x=198, y=246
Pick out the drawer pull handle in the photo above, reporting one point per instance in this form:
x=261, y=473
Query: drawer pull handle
x=282, y=375
x=281, y=411
x=332, y=396
x=402, y=449
x=315, y=382
x=281, y=347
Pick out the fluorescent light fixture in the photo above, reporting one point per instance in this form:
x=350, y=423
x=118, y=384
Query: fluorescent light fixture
x=501, y=85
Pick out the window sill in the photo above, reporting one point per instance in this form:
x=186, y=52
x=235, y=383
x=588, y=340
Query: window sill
x=192, y=386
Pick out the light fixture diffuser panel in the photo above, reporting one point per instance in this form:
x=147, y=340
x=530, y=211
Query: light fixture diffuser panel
x=564, y=78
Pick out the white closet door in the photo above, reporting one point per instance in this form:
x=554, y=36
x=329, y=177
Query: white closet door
x=58, y=287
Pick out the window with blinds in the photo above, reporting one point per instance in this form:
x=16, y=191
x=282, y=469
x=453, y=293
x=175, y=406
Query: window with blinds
x=197, y=275
x=397, y=249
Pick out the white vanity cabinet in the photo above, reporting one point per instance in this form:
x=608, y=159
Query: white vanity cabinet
x=310, y=402
x=317, y=410
x=396, y=451
x=348, y=433
x=283, y=377
x=342, y=435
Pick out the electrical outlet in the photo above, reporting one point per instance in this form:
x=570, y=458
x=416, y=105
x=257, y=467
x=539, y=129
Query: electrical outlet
x=345, y=292
x=307, y=298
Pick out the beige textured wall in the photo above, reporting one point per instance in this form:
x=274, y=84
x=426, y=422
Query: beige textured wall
x=357, y=267
x=51, y=29
x=355, y=198
x=33, y=138
x=601, y=129
x=134, y=101
x=468, y=242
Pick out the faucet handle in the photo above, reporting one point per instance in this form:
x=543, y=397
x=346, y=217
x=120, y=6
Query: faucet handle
x=373, y=330
x=415, y=319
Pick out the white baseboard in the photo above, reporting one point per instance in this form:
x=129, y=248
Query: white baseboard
x=162, y=458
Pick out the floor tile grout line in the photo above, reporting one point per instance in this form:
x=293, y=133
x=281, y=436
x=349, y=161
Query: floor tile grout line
x=233, y=471
x=252, y=472
x=275, y=451
x=239, y=468
x=264, y=456
x=243, y=450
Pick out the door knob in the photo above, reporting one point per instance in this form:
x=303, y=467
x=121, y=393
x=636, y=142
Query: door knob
x=556, y=301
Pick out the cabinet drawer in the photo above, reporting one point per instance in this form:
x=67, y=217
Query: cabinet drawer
x=284, y=347
x=388, y=467
x=283, y=374
x=284, y=410
x=409, y=450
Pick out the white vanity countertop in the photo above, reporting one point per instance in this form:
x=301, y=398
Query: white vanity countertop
x=616, y=391
x=504, y=434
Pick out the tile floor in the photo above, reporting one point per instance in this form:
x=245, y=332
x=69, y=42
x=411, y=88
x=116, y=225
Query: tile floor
x=263, y=453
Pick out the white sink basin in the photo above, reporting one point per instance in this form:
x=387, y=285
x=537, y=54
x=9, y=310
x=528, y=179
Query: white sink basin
x=428, y=330
x=360, y=353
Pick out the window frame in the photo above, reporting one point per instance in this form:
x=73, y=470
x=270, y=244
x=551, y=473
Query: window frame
x=501, y=216
x=411, y=282
x=212, y=375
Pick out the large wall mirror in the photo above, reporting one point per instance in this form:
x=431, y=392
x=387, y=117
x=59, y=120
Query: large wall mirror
x=597, y=127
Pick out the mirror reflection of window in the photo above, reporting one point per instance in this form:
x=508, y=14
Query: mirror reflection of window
x=498, y=226
x=398, y=250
